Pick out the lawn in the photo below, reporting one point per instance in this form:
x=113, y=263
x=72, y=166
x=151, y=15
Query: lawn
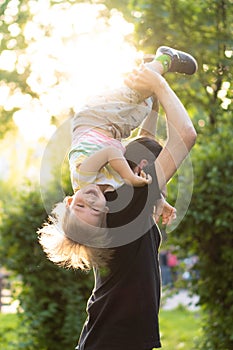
x=8, y=324
x=178, y=329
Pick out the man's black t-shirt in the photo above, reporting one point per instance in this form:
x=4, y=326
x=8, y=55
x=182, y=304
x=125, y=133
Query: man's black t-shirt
x=123, y=308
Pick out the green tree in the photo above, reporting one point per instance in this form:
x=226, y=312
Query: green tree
x=52, y=299
x=207, y=232
x=13, y=17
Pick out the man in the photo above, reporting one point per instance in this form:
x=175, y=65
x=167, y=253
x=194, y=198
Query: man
x=123, y=308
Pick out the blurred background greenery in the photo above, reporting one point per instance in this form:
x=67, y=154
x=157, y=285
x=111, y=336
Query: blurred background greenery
x=54, y=54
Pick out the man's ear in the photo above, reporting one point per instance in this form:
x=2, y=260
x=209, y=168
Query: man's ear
x=106, y=209
x=143, y=163
x=140, y=166
x=68, y=201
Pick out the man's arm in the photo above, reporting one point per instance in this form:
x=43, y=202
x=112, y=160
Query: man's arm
x=181, y=133
x=116, y=159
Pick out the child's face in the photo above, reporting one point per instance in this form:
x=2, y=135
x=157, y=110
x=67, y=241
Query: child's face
x=89, y=205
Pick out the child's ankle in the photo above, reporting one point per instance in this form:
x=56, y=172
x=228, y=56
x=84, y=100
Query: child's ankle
x=165, y=61
x=156, y=66
x=160, y=64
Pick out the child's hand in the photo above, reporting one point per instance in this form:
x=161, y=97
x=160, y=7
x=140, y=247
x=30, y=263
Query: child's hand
x=164, y=210
x=140, y=180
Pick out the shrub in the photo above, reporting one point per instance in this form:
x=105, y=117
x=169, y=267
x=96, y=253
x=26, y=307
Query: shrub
x=52, y=299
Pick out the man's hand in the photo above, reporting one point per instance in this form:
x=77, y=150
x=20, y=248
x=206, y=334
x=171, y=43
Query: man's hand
x=164, y=210
x=144, y=80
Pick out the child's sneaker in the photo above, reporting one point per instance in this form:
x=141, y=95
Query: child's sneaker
x=181, y=62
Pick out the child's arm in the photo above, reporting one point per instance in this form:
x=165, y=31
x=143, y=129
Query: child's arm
x=116, y=159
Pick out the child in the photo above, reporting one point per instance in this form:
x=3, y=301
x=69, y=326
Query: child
x=96, y=158
x=97, y=155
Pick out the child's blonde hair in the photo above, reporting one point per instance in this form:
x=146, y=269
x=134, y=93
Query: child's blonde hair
x=70, y=242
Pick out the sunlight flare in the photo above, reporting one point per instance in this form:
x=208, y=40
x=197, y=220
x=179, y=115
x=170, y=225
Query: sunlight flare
x=74, y=52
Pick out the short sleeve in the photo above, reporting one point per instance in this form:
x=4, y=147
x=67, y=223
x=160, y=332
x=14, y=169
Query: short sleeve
x=85, y=178
x=79, y=179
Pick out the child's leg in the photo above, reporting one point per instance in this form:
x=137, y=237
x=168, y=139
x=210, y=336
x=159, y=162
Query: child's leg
x=159, y=65
x=149, y=124
x=168, y=59
x=125, y=108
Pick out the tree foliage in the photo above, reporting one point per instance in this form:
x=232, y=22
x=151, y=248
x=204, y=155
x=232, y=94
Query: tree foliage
x=208, y=233
x=13, y=17
x=52, y=299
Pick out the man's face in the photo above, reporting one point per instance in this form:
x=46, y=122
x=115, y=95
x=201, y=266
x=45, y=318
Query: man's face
x=89, y=205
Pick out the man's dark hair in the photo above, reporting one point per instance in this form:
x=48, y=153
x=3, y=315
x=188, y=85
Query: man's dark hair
x=142, y=148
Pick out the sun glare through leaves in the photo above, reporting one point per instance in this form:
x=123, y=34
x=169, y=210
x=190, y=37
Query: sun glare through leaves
x=73, y=52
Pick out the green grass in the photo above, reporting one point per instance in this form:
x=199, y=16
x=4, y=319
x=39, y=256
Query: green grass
x=179, y=328
x=8, y=324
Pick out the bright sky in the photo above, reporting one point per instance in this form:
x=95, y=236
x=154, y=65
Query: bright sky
x=81, y=56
